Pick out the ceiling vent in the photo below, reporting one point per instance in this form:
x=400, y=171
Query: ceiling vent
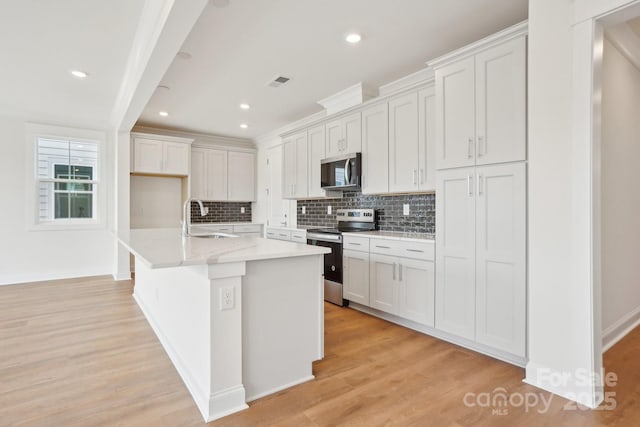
x=278, y=81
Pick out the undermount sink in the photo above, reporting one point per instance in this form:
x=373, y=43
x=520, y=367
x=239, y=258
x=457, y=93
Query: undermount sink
x=214, y=235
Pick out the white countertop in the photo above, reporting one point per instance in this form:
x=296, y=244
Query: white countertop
x=209, y=224
x=298, y=228
x=166, y=247
x=394, y=235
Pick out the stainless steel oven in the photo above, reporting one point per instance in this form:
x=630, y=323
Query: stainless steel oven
x=348, y=220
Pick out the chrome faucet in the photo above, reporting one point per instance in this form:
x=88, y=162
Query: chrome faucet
x=187, y=209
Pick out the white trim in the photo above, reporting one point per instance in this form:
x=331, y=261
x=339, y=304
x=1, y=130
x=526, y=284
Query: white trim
x=462, y=342
x=162, y=137
x=419, y=78
x=626, y=41
x=347, y=98
x=518, y=30
x=570, y=390
x=620, y=329
x=33, y=131
x=280, y=388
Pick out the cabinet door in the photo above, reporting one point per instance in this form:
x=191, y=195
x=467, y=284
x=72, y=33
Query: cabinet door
x=301, y=171
x=383, y=271
x=417, y=292
x=217, y=175
x=375, y=149
x=351, y=134
x=403, y=143
x=355, y=266
x=455, y=130
x=288, y=167
x=316, y=153
x=242, y=176
x=455, y=252
x=147, y=155
x=176, y=158
x=198, y=175
x=427, y=139
x=334, y=138
x=501, y=103
x=501, y=257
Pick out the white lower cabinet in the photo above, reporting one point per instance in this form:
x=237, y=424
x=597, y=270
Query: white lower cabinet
x=481, y=255
x=287, y=234
x=393, y=276
x=355, y=268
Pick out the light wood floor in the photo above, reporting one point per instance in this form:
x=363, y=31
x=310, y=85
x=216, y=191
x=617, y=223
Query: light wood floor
x=80, y=353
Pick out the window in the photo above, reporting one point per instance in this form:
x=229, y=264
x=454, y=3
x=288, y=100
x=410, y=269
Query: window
x=67, y=178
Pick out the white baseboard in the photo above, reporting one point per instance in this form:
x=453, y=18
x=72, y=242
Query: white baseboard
x=620, y=329
x=211, y=407
x=122, y=276
x=282, y=387
x=462, y=342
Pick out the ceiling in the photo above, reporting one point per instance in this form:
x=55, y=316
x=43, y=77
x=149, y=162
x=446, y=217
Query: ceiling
x=41, y=41
x=236, y=50
x=634, y=24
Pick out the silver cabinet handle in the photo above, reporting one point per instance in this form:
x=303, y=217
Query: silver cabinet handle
x=414, y=177
x=470, y=147
x=347, y=174
x=469, y=189
x=415, y=250
x=480, y=148
x=383, y=247
x=294, y=188
x=421, y=176
x=394, y=271
x=480, y=190
x=355, y=244
x=400, y=272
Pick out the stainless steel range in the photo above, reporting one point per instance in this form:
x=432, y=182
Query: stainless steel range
x=348, y=220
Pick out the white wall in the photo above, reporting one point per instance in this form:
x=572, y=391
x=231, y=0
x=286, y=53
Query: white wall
x=560, y=312
x=620, y=196
x=156, y=202
x=27, y=256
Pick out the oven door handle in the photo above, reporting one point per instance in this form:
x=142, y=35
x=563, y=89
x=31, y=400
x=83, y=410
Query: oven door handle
x=324, y=237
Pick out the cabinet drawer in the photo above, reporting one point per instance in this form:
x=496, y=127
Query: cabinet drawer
x=407, y=249
x=278, y=234
x=355, y=243
x=299, y=236
x=247, y=228
x=212, y=228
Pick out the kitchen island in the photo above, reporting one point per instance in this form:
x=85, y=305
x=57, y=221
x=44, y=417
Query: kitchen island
x=240, y=318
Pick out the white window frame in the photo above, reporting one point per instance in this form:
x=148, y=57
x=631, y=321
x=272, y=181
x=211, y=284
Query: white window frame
x=34, y=222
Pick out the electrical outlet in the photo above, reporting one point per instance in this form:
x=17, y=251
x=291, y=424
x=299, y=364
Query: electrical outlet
x=329, y=210
x=242, y=209
x=226, y=298
x=304, y=210
x=405, y=209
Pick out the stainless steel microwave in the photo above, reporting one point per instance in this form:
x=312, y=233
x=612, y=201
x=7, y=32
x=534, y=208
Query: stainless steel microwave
x=341, y=173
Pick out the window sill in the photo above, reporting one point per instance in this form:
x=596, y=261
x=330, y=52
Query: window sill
x=67, y=225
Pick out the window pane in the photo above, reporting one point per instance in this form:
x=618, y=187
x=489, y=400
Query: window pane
x=66, y=200
x=67, y=159
x=52, y=153
x=73, y=205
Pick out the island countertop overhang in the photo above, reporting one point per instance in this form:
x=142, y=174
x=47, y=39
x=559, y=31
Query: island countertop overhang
x=166, y=247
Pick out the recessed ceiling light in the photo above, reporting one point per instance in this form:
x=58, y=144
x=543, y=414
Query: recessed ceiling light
x=245, y=106
x=353, y=38
x=163, y=113
x=79, y=74
x=244, y=125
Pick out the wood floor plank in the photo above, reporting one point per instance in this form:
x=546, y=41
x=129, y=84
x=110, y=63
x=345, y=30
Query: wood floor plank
x=80, y=353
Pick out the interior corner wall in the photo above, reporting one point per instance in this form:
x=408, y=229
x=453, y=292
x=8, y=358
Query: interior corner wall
x=560, y=294
x=620, y=197
x=27, y=256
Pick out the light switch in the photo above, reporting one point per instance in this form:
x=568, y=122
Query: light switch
x=242, y=209
x=329, y=210
x=304, y=210
x=405, y=209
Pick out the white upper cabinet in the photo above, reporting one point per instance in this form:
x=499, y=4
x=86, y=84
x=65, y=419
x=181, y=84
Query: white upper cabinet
x=241, y=176
x=160, y=155
x=481, y=100
x=208, y=174
x=222, y=175
x=316, y=152
x=375, y=149
x=403, y=143
x=427, y=139
x=295, y=166
x=344, y=135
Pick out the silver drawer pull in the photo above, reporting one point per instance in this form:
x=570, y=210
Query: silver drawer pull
x=383, y=247
x=283, y=235
x=357, y=244
x=415, y=250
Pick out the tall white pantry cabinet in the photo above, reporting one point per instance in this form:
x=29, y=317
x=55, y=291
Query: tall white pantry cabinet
x=481, y=189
